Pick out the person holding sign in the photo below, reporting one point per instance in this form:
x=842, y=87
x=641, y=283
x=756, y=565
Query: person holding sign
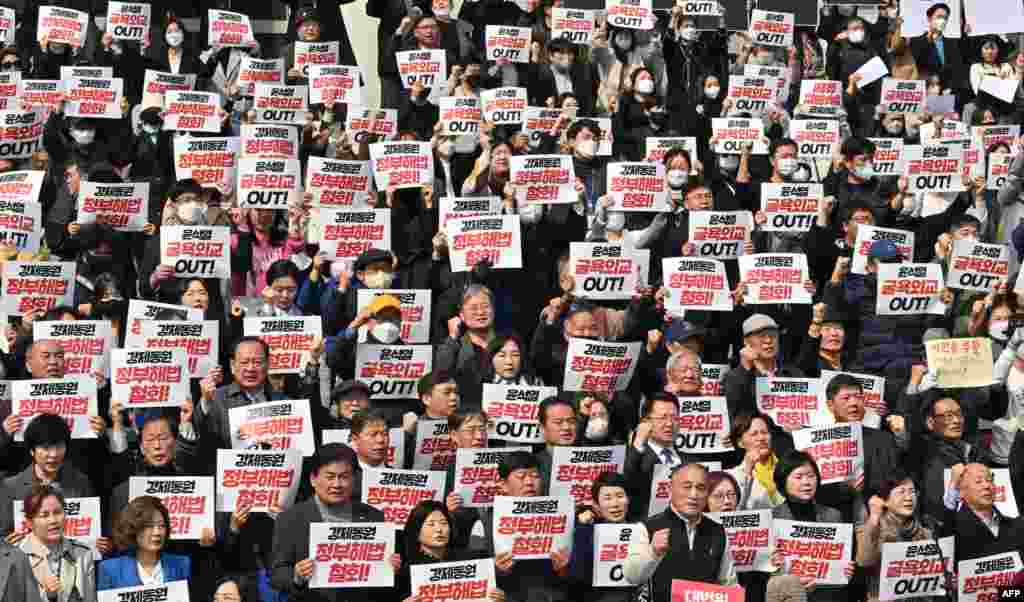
x=758, y=358
x=48, y=550
x=564, y=73
x=519, y=475
x=332, y=482
x=979, y=527
x=428, y=540
x=825, y=346
x=611, y=507
x=653, y=443
x=755, y=474
x=680, y=543
x=142, y=530
x=938, y=54
x=845, y=59
x=892, y=517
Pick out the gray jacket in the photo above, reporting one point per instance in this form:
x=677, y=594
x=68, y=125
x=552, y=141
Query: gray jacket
x=16, y=583
x=78, y=569
x=71, y=482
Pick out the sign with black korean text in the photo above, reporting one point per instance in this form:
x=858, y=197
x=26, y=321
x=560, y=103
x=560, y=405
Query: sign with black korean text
x=143, y=378
x=290, y=339
x=958, y=363
x=821, y=98
x=285, y=105
x=155, y=84
x=543, y=178
x=790, y=207
x=495, y=238
x=505, y=106
x=978, y=266
x=608, y=270
x=915, y=569
x=541, y=121
x=415, y=312
x=476, y=474
x=139, y=311
x=396, y=492
x=128, y=20
x=346, y=233
x=464, y=581
x=332, y=84
x=752, y=95
x=873, y=390
x=867, y=235
x=630, y=14
x=699, y=284
x=81, y=519
x=348, y=555
x=577, y=26
x=200, y=340
x=174, y=591
x=661, y=486
x=192, y=111
x=998, y=170
x=36, y=285
x=818, y=550
x=189, y=501
x=196, y=251
x=64, y=25
x=750, y=538
x=599, y=366
x=36, y=93
x=720, y=234
x=275, y=425
x=714, y=375
x=73, y=399
x=988, y=136
x=637, y=187
x=533, y=527
x=10, y=82
x=269, y=183
x=402, y=164
x=123, y=207
x=979, y=579
x=20, y=212
x=888, y=157
x=838, y=450
x=429, y=68
x=510, y=43
x=611, y=548
x=308, y=54
x=790, y=402
x=213, y=162
x=261, y=479
x=361, y=121
x=8, y=25
x=459, y=115
x=434, y=449
x=731, y=135
x=773, y=278
x=902, y=96
x=781, y=75
x=815, y=138
x=656, y=147
x=771, y=28
x=265, y=141
x=255, y=71
x=703, y=425
x=86, y=344
x=21, y=133
x=512, y=410
x=934, y=168
x=574, y=469
x=392, y=371
x=229, y=29
x=462, y=207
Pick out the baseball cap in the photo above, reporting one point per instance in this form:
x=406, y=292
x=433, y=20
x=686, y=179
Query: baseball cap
x=307, y=13
x=757, y=323
x=678, y=331
x=885, y=250
x=382, y=302
x=350, y=386
x=369, y=257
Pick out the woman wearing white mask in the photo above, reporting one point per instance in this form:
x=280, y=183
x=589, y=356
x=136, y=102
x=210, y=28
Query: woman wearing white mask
x=689, y=58
x=172, y=55
x=936, y=52
x=640, y=115
x=616, y=53
x=1008, y=371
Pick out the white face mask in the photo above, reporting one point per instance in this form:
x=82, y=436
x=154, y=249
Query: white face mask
x=645, y=86
x=586, y=148
x=378, y=279
x=856, y=36
x=616, y=221
x=386, y=332
x=676, y=178
x=192, y=212
x=445, y=148
x=712, y=92
x=787, y=166
x=597, y=428
x=83, y=137
x=531, y=214
x=174, y=38
x=441, y=11
x=689, y=34
x=150, y=129
x=729, y=162
x=998, y=328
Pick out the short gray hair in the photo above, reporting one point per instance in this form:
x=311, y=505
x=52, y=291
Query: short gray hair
x=475, y=290
x=678, y=355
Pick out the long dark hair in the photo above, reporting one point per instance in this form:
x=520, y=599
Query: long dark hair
x=414, y=524
x=496, y=345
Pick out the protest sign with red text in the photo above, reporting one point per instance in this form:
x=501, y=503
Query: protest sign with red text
x=123, y=207
x=512, y=411
x=257, y=478
x=392, y=371
x=599, y=366
x=36, y=285
x=289, y=338
x=774, y=278
x=533, y=527
x=495, y=238
x=86, y=343
x=818, y=550
x=348, y=555
x=574, y=469
x=282, y=424
x=396, y=492
x=143, y=378
x=189, y=502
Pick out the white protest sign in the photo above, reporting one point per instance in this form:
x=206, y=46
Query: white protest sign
x=505, y=42
x=269, y=183
x=577, y=26
x=935, y=168
x=978, y=266
x=86, y=343
x=284, y=105
x=699, y=284
x=818, y=550
x=459, y=115
x=513, y=409
x=714, y=375
x=599, y=366
x=123, y=207
x=189, y=502
x=915, y=569
x=36, y=93
x=361, y=122
x=611, y=548
x=64, y=25
x=174, y=590
x=351, y=555
x=533, y=527
x=888, y=157
x=226, y=28
x=21, y=223
x=8, y=25
x=139, y=311
x=434, y=448
x=979, y=579
x=73, y=399
x=284, y=424
x=903, y=96
x=197, y=251
x=213, y=162
x=815, y=138
x=637, y=187
x=838, y=450
x=790, y=207
x=454, y=207
x=773, y=278
x=791, y=402
x=392, y=371
x=255, y=71
x=332, y=84
x=630, y=14
x=703, y=425
x=574, y=469
x=608, y=270
x=720, y=234
x=465, y=581
x=772, y=29
x=750, y=538
x=200, y=340
x=155, y=84
x=21, y=133
x=543, y=178
x=309, y=54
x=959, y=363
x=427, y=67
x=128, y=20
x=821, y=98
x=290, y=340
x=36, y=285
x=998, y=170
x=494, y=238
x=396, y=492
x=189, y=111
x=415, y=327
x=505, y=106
x=346, y=233
x=82, y=520
x=867, y=235
x=265, y=141
x=257, y=478
x=402, y=164
x=94, y=98
x=754, y=95
x=143, y=378
x=476, y=474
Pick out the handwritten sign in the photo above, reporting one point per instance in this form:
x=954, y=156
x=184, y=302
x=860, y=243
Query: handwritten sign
x=960, y=362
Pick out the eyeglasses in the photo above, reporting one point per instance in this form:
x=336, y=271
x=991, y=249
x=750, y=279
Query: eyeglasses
x=905, y=492
x=726, y=495
x=949, y=416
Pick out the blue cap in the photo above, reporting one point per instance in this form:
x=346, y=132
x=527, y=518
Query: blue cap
x=678, y=331
x=884, y=249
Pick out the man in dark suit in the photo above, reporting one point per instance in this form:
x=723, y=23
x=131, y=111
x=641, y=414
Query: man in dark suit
x=557, y=417
x=369, y=441
x=564, y=73
x=936, y=54
x=845, y=399
x=332, y=481
x=979, y=527
x=653, y=443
